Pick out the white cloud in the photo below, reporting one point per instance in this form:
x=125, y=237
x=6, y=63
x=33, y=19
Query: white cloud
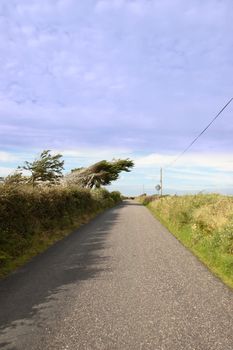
x=94, y=153
x=103, y=5
x=141, y=74
x=5, y=171
x=86, y=156
x=7, y=157
x=191, y=173
x=219, y=162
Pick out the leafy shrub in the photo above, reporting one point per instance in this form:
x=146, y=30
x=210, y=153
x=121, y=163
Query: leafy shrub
x=116, y=196
x=25, y=212
x=148, y=199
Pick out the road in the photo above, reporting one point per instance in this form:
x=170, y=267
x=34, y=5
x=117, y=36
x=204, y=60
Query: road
x=120, y=282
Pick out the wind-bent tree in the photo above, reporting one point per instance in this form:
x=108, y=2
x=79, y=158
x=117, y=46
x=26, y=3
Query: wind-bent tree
x=101, y=173
x=47, y=168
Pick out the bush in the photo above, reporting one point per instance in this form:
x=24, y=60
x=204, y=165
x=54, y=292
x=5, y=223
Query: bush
x=145, y=200
x=116, y=196
x=26, y=212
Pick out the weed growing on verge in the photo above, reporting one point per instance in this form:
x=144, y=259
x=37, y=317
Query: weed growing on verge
x=203, y=223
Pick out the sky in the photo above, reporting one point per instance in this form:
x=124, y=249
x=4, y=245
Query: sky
x=103, y=79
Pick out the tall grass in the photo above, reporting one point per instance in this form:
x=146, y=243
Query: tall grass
x=204, y=223
x=32, y=219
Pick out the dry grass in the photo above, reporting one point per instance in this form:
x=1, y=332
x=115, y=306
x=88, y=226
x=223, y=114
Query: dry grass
x=204, y=223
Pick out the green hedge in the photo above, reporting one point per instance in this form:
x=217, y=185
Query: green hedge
x=28, y=214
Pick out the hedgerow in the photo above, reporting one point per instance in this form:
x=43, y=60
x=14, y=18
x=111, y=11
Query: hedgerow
x=26, y=213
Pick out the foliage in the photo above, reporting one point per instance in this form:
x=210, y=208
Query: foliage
x=204, y=223
x=144, y=199
x=29, y=216
x=15, y=179
x=76, y=169
x=101, y=173
x=48, y=168
x=116, y=196
x=1, y=179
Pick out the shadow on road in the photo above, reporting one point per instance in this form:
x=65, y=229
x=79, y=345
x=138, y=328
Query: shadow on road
x=76, y=258
x=3, y=345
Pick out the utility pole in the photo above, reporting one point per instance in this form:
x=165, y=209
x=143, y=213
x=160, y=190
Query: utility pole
x=161, y=181
x=143, y=189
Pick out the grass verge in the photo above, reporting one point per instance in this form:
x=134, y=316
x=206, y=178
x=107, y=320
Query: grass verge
x=204, y=224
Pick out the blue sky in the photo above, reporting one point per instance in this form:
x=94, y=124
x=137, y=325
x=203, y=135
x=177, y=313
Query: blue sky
x=98, y=79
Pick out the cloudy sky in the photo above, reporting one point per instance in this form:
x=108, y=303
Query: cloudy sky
x=98, y=79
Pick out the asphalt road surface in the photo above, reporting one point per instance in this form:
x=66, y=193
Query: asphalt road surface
x=120, y=282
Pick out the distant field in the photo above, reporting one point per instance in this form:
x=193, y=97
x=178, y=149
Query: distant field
x=203, y=223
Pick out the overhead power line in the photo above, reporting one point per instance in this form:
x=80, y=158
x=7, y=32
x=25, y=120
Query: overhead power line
x=201, y=133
